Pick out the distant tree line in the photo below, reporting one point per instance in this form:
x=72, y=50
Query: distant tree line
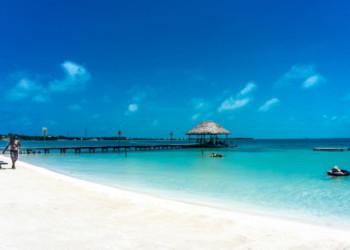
x=55, y=138
x=61, y=137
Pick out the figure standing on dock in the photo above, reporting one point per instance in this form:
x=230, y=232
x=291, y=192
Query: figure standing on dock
x=14, y=146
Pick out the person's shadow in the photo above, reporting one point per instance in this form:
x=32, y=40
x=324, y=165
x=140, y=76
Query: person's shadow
x=7, y=168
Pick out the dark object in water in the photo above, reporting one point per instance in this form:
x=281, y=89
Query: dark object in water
x=342, y=172
x=217, y=155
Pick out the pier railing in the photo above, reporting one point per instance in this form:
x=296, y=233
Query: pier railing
x=108, y=148
x=331, y=149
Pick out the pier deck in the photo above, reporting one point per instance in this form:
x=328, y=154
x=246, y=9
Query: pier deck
x=331, y=149
x=108, y=148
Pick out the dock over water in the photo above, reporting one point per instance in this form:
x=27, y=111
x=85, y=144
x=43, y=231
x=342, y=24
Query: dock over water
x=108, y=148
x=331, y=149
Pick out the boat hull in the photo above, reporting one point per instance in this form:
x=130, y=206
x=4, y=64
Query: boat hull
x=338, y=174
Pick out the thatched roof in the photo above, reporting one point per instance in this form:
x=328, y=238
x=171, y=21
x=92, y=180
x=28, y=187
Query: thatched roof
x=208, y=128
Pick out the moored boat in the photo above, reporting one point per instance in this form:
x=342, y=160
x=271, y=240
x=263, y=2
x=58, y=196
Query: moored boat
x=336, y=171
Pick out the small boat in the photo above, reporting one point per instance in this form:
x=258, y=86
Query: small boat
x=338, y=172
x=216, y=155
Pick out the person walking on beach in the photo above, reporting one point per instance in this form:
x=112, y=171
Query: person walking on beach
x=14, y=146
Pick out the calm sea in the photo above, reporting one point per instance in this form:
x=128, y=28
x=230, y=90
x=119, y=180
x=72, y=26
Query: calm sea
x=282, y=178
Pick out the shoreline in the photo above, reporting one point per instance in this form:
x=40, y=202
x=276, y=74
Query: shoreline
x=254, y=228
x=236, y=211
x=216, y=206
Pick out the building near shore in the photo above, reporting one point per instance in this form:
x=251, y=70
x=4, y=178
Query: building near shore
x=209, y=134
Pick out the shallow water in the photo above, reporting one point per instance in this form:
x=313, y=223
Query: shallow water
x=283, y=178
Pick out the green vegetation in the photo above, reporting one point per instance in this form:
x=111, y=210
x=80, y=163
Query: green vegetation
x=63, y=138
x=56, y=138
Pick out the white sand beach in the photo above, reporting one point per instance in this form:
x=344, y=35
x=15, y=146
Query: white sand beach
x=40, y=209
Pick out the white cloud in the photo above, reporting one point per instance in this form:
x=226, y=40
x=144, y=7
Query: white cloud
x=195, y=117
x=335, y=120
x=201, y=108
x=27, y=85
x=73, y=70
x=138, y=96
x=232, y=103
x=133, y=107
x=75, y=107
x=268, y=104
x=23, y=89
x=299, y=71
x=198, y=104
x=313, y=80
x=14, y=95
x=248, y=88
x=139, y=93
x=305, y=75
x=330, y=118
x=75, y=77
x=239, y=101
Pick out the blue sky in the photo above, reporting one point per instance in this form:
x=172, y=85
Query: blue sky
x=262, y=69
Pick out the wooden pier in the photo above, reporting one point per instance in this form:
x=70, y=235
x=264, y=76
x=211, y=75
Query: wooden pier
x=331, y=149
x=109, y=148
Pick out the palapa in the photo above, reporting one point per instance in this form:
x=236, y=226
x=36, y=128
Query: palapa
x=208, y=128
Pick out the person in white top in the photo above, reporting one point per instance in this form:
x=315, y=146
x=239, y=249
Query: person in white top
x=14, y=146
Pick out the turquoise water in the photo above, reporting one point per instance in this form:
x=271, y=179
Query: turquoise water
x=278, y=178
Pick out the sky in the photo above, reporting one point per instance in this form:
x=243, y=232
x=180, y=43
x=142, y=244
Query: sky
x=261, y=69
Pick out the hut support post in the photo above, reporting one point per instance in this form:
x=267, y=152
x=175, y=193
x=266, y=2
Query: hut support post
x=203, y=138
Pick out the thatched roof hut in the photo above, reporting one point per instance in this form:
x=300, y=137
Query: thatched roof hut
x=208, y=128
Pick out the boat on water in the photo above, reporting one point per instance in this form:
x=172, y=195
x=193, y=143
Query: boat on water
x=336, y=171
x=216, y=155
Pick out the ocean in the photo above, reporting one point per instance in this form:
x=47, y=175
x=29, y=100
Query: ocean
x=279, y=178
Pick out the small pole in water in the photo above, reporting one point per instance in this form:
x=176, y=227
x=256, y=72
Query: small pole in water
x=202, y=144
x=119, y=133
x=171, y=133
x=126, y=149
